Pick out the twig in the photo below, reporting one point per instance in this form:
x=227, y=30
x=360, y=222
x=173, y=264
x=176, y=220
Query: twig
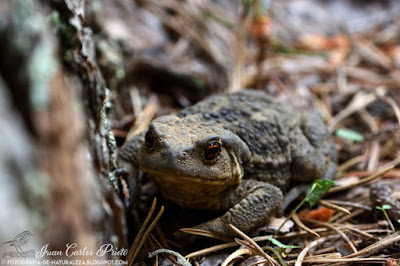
x=333, y=207
x=349, y=216
x=236, y=254
x=342, y=260
x=359, y=101
x=394, y=106
x=144, y=118
x=211, y=249
x=303, y=253
x=360, y=232
x=355, y=160
x=139, y=240
x=265, y=238
x=362, y=181
x=253, y=244
x=205, y=233
x=133, y=248
x=337, y=230
x=349, y=204
x=146, y=234
x=376, y=247
x=303, y=226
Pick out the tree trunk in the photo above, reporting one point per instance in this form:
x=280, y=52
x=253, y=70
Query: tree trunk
x=57, y=155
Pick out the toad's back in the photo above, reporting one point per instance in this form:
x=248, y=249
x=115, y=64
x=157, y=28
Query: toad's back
x=278, y=137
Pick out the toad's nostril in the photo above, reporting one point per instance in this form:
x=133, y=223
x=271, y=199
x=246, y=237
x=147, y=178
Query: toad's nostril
x=149, y=138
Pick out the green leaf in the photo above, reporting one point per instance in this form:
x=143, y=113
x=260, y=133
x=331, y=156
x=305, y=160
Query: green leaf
x=348, y=134
x=318, y=189
x=384, y=207
x=279, y=244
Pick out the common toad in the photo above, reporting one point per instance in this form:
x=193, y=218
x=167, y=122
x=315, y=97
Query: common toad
x=235, y=152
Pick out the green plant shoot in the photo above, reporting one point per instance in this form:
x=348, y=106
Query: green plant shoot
x=318, y=189
x=383, y=209
x=281, y=245
x=348, y=134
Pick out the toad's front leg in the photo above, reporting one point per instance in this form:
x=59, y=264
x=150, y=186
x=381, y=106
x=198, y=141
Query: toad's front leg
x=253, y=203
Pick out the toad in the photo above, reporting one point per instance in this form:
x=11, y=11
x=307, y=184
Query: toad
x=236, y=153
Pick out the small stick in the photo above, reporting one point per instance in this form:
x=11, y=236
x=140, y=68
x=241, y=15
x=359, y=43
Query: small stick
x=303, y=226
x=211, y=249
x=256, y=247
x=362, y=181
x=333, y=207
x=139, y=240
x=349, y=204
x=337, y=230
x=303, y=253
x=133, y=248
x=236, y=254
x=376, y=247
x=355, y=260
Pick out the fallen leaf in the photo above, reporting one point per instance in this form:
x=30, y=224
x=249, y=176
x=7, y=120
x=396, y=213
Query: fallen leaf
x=321, y=214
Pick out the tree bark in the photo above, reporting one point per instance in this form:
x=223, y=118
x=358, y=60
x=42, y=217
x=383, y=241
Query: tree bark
x=57, y=155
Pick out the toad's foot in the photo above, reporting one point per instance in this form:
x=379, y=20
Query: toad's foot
x=254, y=202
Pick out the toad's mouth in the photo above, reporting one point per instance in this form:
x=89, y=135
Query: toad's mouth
x=179, y=177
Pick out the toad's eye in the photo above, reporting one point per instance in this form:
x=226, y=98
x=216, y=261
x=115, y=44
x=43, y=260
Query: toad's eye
x=149, y=138
x=212, y=151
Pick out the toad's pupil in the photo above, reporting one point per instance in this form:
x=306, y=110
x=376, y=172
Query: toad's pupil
x=148, y=138
x=212, y=150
